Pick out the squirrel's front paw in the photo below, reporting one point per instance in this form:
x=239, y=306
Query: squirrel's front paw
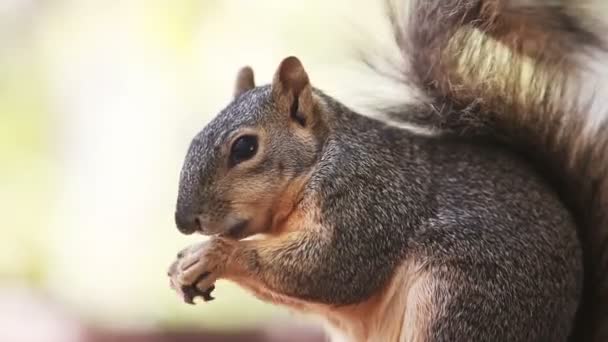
x=197, y=267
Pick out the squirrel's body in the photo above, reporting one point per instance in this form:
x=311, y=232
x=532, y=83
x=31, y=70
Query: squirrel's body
x=470, y=225
x=492, y=228
x=470, y=218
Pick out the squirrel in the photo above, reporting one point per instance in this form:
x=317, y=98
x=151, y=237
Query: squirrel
x=491, y=226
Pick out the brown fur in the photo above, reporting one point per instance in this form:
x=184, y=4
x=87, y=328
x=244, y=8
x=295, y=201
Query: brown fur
x=269, y=206
x=251, y=198
x=285, y=217
x=378, y=318
x=400, y=312
x=540, y=32
x=292, y=92
x=238, y=261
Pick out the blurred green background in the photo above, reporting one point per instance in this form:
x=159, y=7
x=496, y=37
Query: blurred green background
x=98, y=102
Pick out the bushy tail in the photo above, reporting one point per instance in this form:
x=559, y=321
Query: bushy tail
x=533, y=74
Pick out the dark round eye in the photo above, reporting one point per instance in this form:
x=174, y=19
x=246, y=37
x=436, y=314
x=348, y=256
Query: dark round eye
x=243, y=148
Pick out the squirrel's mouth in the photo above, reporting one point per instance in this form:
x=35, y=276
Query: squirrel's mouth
x=237, y=230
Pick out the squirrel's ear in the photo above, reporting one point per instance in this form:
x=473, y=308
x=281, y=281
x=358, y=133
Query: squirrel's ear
x=292, y=92
x=244, y=81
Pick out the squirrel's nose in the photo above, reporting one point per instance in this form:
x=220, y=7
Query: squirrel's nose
x=186, y=223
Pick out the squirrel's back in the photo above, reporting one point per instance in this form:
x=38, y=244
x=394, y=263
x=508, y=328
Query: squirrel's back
x=529, y=74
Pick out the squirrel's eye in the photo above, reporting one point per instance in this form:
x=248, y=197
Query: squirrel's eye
x=243, y=148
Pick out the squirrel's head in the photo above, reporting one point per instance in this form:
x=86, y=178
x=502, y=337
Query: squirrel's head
x=244, y=171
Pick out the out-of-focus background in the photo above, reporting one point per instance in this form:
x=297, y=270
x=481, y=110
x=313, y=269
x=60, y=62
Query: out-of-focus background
x=98, y=102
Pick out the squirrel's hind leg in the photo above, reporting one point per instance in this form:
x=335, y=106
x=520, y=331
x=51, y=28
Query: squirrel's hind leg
x=464, y=304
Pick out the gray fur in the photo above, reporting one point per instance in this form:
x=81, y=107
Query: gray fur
x=468, y=211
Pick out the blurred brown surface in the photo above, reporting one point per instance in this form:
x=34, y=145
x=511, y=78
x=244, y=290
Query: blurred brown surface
x=296, y=335
x=28, y=316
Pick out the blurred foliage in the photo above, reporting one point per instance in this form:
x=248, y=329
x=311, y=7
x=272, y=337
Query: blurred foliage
x=25, y=166
x=32, y=134
x=98, y=102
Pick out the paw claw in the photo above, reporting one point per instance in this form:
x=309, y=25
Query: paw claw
x=191, y=292
x=207, y=294
x=196, y=269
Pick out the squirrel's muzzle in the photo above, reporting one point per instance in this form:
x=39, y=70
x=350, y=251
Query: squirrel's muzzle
x=187, y=223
